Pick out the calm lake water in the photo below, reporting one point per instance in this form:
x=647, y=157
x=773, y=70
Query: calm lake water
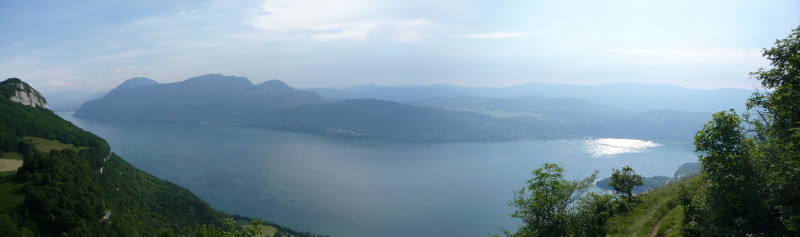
x=347, y=187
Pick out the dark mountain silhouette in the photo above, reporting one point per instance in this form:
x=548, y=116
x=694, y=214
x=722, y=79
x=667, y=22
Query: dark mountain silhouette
x=210, y=97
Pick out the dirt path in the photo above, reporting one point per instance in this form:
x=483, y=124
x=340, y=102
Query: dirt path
x=658, y=225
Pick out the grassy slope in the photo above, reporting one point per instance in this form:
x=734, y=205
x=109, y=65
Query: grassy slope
x=45, y=145
x=658, y=206
x=10, y=187
x=11, y=161
x=11, y=156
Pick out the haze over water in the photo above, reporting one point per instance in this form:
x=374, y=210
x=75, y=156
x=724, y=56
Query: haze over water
x=352, y=187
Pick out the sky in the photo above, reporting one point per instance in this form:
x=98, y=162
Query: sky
x=90, y=45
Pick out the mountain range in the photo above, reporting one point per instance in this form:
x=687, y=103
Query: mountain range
x=628, y=96
x=453, y=116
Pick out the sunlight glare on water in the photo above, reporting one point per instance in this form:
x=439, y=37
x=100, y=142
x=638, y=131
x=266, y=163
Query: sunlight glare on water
x=608, y=147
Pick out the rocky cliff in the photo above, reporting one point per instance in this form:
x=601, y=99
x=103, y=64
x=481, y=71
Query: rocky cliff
x=18, y=91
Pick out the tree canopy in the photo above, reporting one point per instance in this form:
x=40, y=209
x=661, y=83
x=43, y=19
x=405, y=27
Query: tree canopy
x=623, y=182
x=751, y=163
x=552, y=206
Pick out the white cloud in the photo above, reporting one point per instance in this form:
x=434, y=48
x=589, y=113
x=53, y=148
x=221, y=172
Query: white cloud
x=494, y=35
x=189, y=12
x=353, y=20
x=707, y=53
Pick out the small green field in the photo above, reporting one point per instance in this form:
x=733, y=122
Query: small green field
x=266, y=230
x=11, y=161
x=11, y=156
x=656, y=213
x=10, y=191
x=49, y=145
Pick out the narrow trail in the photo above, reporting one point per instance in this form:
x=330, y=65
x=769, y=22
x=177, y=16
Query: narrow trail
x=654, y=232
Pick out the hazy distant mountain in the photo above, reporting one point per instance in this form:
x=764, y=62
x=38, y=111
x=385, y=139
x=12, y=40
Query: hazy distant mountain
x=71, y=100
x=370, y=118
x=135, y=82
x=579, y=117
x=273, y=104
x=631, y=96
x=399, y=94
x=208, y=97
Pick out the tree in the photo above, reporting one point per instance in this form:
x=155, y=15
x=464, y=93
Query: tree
x=733, y=192
x=753, y=173
x=256, y=228
x=777, y=124
x=547, y=205
x=624, y=181
x=721, y=146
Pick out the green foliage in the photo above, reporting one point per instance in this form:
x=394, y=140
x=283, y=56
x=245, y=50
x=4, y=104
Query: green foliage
x=777, y=125
x=623, y=182
x=65, y=193
x=753, y=176
x=280, y=230
x=652, y=207
x=255, y=228
x=551, y=206
x=10, y=191
x=17, y=121
x=697, y=214
x=45, y=145
x=670, y=225
x=594, y=212
x=80, y=188
x=721, y=146
x=649, y=183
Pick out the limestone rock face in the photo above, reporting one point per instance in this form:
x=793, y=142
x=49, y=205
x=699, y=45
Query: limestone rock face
x=18, y=91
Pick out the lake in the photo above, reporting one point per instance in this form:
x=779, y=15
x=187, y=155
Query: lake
x=352, y=187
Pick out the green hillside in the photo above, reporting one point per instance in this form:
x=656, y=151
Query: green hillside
x=655, y=213
x=65, y=192
x=72, y=184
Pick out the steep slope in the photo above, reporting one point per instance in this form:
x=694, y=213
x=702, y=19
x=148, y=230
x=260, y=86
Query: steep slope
x=87, y=191
x=16, y=90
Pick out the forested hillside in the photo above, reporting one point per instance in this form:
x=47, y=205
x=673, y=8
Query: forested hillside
x=87, y=191
x=71, y=184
